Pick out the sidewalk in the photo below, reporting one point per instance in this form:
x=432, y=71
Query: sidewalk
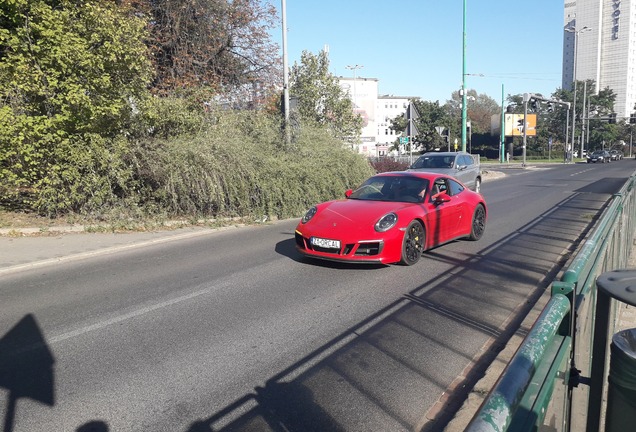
x=67, y=244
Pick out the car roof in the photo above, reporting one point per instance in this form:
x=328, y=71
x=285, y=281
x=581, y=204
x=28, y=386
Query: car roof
x=444, y=153
x=417, y=174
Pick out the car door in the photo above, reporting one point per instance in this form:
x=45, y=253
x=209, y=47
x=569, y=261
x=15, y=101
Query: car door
x=465, y=172
x=444, y=216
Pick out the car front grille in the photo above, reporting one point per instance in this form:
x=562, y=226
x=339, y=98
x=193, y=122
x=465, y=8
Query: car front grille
x=362, y=249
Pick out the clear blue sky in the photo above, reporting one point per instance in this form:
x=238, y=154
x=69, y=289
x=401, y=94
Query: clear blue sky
x=414, y=47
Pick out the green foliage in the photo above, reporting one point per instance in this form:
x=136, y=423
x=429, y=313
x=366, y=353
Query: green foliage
x=599, y=107
x=69, y=70
x=479, y=109
x=90, y=174
x=213, y=173
x=431, y=115
x=321, y=100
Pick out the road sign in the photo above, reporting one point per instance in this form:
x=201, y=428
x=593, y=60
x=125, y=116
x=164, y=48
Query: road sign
x=404, y=140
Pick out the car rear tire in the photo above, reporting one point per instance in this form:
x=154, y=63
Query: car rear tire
x=479, y=223
x=413, y=243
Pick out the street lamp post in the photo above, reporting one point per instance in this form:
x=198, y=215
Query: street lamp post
x=285, y=72
x=583, y=119
x=464, y=111
x=354, y=68
x=353, y=96
x=575, y=33
x=502, y=144
x=467, y=123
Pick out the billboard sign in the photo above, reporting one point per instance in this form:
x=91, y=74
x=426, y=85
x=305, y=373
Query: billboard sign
x=514, y=124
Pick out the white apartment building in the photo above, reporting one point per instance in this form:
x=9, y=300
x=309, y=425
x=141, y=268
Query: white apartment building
x=602, y=41
x=376, y=138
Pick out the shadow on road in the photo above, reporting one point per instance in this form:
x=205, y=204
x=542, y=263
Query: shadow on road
x=26, y=367
x=27, y=371
x=376, y=376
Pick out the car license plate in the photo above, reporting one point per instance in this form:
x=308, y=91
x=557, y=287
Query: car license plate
x=325, y=243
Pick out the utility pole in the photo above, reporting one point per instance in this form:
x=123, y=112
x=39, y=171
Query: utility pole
x=526, y=98
x=575, y=32
x=464, y=108
x=285, y=73
x=583, y=119
x=503, y=128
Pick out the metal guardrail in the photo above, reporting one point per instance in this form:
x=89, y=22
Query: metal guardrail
x=557, y=378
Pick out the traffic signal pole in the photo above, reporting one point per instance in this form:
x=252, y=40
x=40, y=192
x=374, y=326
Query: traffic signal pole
x=536, y=99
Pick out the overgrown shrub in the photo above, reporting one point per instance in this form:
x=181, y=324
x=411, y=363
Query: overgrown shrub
x=388, y=164
x=174, y=161
x=239, y=166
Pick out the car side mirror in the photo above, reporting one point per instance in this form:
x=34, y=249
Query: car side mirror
x=348, y=193
x=441, y=197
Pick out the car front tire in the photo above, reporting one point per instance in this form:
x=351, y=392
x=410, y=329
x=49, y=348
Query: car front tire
x=478, y=185
x=479, y=223
x=413, y=243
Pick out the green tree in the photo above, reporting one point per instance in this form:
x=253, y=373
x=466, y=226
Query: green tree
x=479, y=109
x=598, y=107
x=321, y=99
x=71, y=73
x=431, y=115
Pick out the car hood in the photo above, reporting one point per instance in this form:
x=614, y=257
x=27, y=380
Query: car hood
x=352, y=214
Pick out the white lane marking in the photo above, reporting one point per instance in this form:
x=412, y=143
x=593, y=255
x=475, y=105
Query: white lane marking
x=125, y=317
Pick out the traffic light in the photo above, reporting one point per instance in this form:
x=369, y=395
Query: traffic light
x=612, y=118
x=534, y=105
x=632, y=118
x=550, y=107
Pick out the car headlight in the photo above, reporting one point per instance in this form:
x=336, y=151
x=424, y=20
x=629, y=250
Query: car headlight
x=386, y=222
x=310, y=213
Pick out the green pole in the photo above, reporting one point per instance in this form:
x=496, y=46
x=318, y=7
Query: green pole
x=502, y=146
x=464, y=108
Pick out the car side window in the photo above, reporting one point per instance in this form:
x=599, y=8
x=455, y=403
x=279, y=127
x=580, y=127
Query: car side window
x=439, y=185
x=454, y=188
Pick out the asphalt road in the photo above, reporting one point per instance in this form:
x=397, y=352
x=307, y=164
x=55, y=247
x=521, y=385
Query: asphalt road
x=232, y=330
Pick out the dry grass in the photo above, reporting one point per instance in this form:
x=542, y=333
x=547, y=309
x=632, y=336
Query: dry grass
x=9, y=219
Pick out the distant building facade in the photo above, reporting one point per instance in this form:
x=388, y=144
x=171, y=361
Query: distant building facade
x=605, y=51
x=377, y=138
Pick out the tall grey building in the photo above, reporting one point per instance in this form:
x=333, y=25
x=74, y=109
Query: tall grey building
x=600, y=35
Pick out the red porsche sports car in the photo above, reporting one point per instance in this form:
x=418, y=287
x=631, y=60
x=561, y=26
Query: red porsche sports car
x=392, y=217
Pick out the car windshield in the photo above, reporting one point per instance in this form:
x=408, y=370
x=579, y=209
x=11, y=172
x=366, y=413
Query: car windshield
x=433, y=161
x=392, y=188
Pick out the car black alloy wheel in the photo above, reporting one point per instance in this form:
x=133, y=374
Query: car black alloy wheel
x=479, y=223
x=413, y=243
